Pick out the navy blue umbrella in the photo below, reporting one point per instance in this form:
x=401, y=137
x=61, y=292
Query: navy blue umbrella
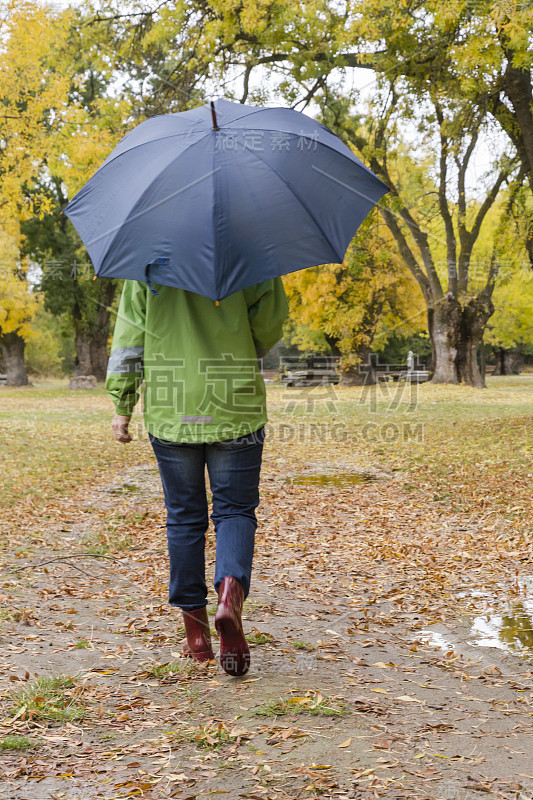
x=222, y=197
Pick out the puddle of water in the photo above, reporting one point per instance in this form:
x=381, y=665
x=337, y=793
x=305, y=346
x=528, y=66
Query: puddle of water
x=435, y=639
x=512, y=631
x=508, y=628
x=339, y=480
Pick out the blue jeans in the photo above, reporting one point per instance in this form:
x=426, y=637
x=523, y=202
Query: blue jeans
x=233, y=467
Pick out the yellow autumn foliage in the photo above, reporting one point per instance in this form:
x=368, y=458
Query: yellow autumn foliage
x=18, y=303
x=32, y=96
x=347, y=302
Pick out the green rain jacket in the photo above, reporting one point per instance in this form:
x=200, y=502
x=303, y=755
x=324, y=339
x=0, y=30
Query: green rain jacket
x=199, y=360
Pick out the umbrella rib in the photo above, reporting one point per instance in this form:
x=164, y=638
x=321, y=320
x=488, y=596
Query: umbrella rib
x=304, y=205
x=321, y=143
x=250, y=113
x=125, y=221
x=346, y=186
x=110, y=160
x=154, y=205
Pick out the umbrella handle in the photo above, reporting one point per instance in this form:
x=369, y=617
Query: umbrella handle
x=147, y=279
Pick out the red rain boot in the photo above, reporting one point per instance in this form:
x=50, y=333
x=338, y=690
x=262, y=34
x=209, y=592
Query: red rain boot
x=234, y=651
x=198, y=645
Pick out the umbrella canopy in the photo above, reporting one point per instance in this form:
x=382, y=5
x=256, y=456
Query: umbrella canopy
x=221, y=197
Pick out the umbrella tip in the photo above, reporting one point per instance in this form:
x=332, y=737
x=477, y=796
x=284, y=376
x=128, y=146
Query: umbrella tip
x=214, y=116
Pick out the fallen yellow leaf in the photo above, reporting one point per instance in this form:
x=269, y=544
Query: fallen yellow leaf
x=347, y=743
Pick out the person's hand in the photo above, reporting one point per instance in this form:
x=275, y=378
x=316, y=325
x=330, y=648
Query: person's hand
x=120, y=428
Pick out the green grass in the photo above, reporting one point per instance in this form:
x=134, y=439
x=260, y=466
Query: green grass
x=115, y=536
x=171, y=669
x=83, y=644
x=253, y=605
x=473, y=446
x=101, y=543
x=59, y=438
x=211, y=736
x=14, y=742
x=258, y=637
x=299, y=645
x=192, y=693
x=311, y=703
x=49, y=699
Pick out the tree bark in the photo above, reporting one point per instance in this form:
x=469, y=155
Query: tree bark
x=13, y=357
x=99, y=357
x=482, y=361
x=444, y=319
x=91, y=343
x=500, y=368
x=456, y=334
x=83, y=353
x=509, y=362
x=517, y=87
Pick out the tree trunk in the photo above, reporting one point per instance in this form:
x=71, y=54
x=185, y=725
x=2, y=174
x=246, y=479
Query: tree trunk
x=456, y=334
x=83, y=354
x=91, y=355
x=515, y=362
x=501, y=366
x=99, y=357
x=360, y=373
x=474, y=318
x=444, y=322
x=13, y=357
x=517, y=87
x=91, y=344
x=482, y=361
x=363, y=373
x=509, y=363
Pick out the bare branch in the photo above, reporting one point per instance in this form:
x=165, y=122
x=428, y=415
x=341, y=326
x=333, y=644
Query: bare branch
x=246, y=81
x=405, y=251
x=451, y=243
x=471, y=236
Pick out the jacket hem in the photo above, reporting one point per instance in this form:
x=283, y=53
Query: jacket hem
x=205, y=433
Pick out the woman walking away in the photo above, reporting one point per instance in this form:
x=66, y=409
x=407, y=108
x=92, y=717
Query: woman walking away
x=204, y=405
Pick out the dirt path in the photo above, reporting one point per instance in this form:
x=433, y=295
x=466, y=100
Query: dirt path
x=345, y=697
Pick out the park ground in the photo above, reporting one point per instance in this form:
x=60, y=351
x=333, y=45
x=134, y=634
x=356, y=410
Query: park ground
x=389, y=617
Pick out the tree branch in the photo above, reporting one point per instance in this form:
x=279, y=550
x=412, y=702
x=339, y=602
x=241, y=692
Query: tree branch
x=246, y=81
x=451, y=242
x=472, y=235
x=406, y=251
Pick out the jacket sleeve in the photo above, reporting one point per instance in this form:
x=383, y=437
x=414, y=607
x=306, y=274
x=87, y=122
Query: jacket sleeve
x=125, y=370
x=267, y=311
